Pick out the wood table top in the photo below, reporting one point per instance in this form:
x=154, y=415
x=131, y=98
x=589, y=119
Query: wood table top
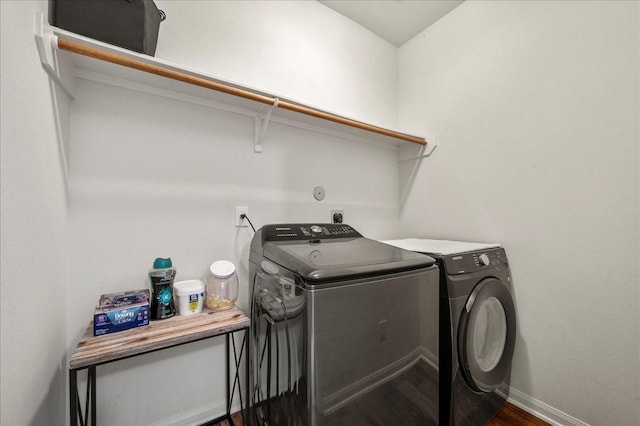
x=94, y=350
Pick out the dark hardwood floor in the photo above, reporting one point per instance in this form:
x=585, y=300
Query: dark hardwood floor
x=510, y=415
x=237, y=420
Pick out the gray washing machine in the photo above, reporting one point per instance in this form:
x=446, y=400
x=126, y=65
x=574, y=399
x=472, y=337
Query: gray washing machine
x=344, y=329
x=477, y=328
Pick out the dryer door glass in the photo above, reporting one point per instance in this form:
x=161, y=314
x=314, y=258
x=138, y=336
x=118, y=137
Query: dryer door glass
x=486, y=335
x=489, y=334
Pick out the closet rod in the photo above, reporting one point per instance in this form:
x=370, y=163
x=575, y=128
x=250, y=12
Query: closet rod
x=114, y=58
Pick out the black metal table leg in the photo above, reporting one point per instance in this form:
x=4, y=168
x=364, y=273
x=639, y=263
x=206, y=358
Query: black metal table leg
x=237, y=358
x=229, y=394
x=73, y=397
x=230, y=390
x=245, y=413
x=75, y=409
x=92, y=380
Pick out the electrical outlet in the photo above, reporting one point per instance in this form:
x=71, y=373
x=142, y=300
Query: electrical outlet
x=240, y=210
x=337, y=216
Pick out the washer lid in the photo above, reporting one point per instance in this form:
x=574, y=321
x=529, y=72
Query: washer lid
x=333, y=257
x=439, y=247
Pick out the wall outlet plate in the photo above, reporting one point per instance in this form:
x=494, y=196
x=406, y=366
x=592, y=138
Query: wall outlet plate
x=337, y=216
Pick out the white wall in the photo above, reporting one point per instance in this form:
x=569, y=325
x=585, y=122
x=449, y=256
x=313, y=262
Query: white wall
x=301, y=50
x=33, y=272
x=536, y=109
x=535, y=106
x=152, y=176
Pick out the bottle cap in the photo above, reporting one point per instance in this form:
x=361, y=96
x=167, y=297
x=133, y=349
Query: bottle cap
x=161, y=263
x=222, y=268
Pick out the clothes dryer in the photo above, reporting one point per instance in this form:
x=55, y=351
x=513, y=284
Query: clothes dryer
x=477, y=328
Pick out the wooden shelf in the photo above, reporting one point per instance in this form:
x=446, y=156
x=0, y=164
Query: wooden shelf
x=99, y=61
x=95, y=350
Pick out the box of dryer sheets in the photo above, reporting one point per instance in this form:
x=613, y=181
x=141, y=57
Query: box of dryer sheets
x=121, y=311
x=123, y=298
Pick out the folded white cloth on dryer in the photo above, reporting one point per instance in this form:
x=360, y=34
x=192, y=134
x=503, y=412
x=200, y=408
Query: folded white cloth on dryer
x=442, y=247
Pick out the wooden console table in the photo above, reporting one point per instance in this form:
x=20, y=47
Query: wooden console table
x=178, y=330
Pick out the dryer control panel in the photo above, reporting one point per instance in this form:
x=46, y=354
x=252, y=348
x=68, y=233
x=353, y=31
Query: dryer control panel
x=465, y=263
x=308, y=231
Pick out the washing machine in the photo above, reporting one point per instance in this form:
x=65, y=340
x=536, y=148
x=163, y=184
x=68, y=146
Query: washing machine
x=477, y=327
x=344, y=329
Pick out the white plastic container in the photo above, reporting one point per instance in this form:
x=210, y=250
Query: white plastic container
x=189, y=296
x=222, y=285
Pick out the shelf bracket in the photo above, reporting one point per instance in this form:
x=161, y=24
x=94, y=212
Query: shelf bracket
x=261, y=123
x=423, y=151
x=51, y=42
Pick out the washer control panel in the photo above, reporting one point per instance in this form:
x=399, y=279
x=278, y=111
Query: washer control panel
x=308, y=231
x=465, y=263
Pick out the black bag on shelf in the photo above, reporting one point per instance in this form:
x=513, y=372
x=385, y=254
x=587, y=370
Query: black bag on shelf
x=132, y=24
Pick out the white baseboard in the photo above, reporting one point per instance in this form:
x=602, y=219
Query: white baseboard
x=543, y=411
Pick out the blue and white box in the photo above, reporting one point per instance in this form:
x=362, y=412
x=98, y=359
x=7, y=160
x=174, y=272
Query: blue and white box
x=111, y=319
